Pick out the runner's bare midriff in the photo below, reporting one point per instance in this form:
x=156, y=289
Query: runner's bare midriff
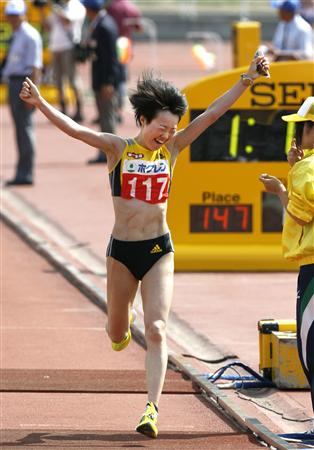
x=136, y=220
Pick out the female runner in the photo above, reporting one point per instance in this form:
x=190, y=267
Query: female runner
x=140, y=247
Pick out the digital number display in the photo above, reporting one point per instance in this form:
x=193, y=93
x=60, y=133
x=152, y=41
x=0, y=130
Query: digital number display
x=244, y=135
x=220, y=218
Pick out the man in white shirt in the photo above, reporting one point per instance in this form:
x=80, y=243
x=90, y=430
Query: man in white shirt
x=24, y=59
x=293, y=38
x=65, y=26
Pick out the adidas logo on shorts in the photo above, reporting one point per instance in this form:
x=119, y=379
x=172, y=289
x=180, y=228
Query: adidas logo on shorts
x=156, y=249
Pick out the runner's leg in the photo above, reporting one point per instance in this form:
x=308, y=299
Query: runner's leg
x=305, y=323
x=121, y=290
x=157, y=289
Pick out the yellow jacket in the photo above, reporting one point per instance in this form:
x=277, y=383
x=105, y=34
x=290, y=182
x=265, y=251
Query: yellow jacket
x=297, y=240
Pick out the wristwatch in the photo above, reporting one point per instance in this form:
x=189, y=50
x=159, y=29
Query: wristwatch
x=246, y=79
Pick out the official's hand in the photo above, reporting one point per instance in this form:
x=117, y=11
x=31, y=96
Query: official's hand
x=295, y=154
x=261, y=63
x=107, y=92
x=29, y=92
x=272, y=184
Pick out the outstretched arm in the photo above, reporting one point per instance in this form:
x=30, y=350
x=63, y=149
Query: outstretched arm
x=275, y=186
x=105, y=141
x=218, y=107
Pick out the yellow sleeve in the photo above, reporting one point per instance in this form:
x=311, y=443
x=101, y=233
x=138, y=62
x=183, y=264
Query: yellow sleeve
x=301, y=190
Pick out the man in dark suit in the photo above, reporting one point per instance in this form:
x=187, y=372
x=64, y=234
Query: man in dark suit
x=103, y=35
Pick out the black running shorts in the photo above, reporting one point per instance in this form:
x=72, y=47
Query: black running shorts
x=140, y=256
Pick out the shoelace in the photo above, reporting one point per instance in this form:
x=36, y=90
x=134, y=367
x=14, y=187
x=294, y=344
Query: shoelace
x=151, y=412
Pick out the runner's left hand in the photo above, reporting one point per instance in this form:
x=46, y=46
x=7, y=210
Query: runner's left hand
x=258, y=61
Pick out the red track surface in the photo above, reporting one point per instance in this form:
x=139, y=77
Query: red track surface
x=47, y=324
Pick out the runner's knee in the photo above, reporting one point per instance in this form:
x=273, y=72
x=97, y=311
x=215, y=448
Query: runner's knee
x=156, y=331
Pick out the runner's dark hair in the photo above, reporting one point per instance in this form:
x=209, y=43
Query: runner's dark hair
x=153, y=94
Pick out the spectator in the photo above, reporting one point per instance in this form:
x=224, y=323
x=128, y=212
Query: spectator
x=307, y=11
x=128, y=18
x=298, y=230
x=103, y=37
x=293, y=38
x=121, y=11
x=24, y=59
x=65, y=27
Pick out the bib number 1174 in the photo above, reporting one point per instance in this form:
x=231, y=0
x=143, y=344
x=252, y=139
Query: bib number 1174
x=153, y=189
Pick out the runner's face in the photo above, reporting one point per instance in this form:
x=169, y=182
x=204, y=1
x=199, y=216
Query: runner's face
x=159, y=131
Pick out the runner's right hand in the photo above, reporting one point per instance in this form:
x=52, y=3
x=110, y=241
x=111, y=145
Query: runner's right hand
x=29, y=92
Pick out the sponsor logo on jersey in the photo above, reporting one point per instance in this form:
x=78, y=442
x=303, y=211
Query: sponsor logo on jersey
x=146, y=167
x=135, y=155
x=131, y=167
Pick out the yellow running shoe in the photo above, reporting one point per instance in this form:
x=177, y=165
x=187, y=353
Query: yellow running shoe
x=118, y=346
x=148, y=421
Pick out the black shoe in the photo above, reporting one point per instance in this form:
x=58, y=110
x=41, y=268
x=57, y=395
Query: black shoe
x=18, y=182
x=97, y=160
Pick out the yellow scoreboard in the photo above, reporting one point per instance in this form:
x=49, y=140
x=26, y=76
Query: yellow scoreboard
x=219, y=214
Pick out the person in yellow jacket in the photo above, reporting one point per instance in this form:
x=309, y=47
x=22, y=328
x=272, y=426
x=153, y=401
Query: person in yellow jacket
x=298, y=230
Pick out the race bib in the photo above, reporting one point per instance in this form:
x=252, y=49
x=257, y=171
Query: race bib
x=146, y=180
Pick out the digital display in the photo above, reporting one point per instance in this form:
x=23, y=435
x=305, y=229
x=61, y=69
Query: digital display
x=220, y=218
x=244, y=135
x=226, y=220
